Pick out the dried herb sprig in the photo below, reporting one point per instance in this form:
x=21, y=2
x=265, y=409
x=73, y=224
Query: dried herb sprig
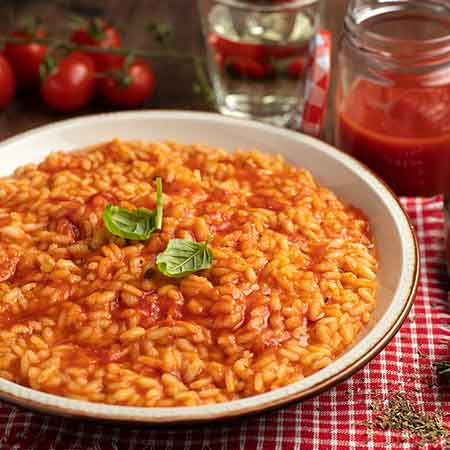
x=399, y=414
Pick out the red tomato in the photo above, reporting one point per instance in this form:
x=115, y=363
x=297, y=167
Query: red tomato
x=247, y=67
x=259, y=52
x=285, y=51
x=230, y=48
x=7, y=82
x=141, y=85
x=99, y=34
x=296, y=67
x=280, y=52
x=71, y=85
x=26, y=58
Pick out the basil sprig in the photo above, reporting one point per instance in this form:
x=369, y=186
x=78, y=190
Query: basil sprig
x=138, y=224
x=182, y=257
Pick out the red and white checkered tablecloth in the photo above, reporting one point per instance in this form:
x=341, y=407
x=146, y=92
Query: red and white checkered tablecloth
x=334, y=420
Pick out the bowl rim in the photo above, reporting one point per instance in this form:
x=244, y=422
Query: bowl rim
x=64, y=406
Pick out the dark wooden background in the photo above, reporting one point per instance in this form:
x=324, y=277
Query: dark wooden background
x=175, y=80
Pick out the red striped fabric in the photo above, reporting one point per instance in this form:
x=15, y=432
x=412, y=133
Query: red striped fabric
x=331, y=421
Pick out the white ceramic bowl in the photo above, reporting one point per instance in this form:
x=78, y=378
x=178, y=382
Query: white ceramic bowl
x=397, y=247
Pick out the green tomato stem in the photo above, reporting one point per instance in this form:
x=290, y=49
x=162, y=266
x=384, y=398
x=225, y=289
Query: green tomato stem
x=61, y=43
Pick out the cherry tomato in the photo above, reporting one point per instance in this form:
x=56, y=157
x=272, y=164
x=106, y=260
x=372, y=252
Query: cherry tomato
x=7, y=82
x=296, y=67
x=26, y=58
x=247, y=67
x=141, y=83
x=230, y=48
x=285, y=51
x=98, y=33
x=71, y=85
x=258, y=52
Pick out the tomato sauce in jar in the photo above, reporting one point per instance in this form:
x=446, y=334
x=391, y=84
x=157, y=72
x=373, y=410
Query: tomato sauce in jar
x=401, y=133
x=393, y=94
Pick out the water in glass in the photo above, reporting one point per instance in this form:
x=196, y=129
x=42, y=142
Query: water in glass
x=258, y=55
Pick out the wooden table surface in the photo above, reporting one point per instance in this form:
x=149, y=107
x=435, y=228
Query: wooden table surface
x=175, y=79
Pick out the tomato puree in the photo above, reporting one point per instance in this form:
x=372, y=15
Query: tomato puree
x=402, y=132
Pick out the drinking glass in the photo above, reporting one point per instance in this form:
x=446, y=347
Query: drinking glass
x=258, y=54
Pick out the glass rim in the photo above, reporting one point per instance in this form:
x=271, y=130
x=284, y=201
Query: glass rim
x=387, y=45
x=255, y=7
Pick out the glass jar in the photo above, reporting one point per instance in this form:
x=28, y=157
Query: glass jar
x=393, y=92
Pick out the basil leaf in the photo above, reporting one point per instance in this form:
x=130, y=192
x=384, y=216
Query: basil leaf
x=182, y=257
x=136, y=225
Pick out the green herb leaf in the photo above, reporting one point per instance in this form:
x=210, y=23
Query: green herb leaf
x=136, y=225
x=182, y=257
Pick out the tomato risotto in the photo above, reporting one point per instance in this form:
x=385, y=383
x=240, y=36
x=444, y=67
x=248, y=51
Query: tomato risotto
x=277, y=275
